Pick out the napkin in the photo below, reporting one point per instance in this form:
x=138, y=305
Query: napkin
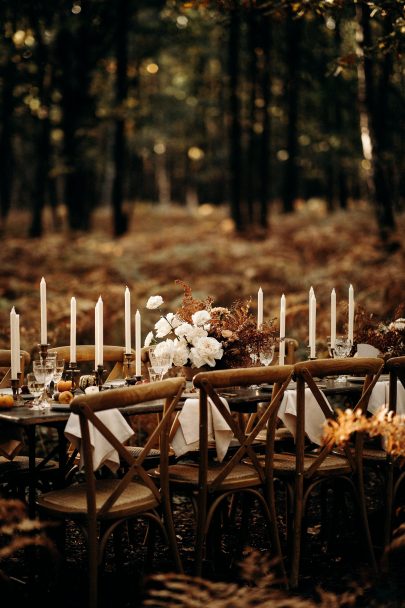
x=187, y=435
x=103, y=451
x=314, y=417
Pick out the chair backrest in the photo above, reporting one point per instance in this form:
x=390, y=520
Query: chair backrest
x=209, y=382
x=396, y=369
x=306, y=372
x=85, y=353
x=5, y=362
x=86, y=406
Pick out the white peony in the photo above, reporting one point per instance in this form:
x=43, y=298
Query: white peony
x=190, y=333
x=154, y=302
x=149, y=338
x=164, y=348
x=205, y=352
x=164, y=326
x=398, y=325
x=201, y=317
x=181, y=353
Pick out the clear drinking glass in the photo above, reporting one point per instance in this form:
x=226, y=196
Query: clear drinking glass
x=266, y=355
x=34, y=386
x=342, y=350
x=44, y=374
x=161, y=362
x=155, y=374
x=59, y=367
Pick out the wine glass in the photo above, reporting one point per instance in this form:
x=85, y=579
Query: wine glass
x=266, y=355
x=161, y=362
x=44, y=374
x=35, y=387
x=342, y=350
x=59, y=368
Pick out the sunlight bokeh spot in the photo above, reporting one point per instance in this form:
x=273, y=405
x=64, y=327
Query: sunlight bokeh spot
x=282, y=155
x=19, y=37
x=195, y=153
x=152, y=68
x=181, y=22
x=159, y=148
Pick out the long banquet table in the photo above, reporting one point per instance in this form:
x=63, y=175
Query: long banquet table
x=243, y=400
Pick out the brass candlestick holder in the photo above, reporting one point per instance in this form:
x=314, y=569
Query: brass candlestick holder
x=71, y=373
x=15, y=387
x=128, y=358
x=43, y=351
x=98, y=374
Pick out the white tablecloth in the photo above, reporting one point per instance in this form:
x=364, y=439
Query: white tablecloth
x=186, y=438
x=380, y=396
x=314, y=417
x=103, y=451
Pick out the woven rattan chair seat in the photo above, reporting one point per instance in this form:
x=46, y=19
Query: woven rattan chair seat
x=187, y=474
x=135, y=451
x=284, y=464
x=73, y=499
x=19, y=466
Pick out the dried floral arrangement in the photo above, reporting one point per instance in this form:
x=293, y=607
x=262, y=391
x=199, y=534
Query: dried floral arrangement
x=385, y=424
x=199, y=333
x=388, y=337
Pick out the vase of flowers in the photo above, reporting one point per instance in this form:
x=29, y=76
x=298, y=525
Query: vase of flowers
x=200, y=335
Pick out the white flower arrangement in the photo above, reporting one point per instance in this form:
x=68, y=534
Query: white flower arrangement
x=190, y=343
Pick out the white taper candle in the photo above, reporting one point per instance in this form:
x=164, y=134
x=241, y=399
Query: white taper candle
x=138, y=371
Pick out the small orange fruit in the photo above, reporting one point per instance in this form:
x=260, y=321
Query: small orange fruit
x=65, y=397
x=6, y=401
x=64, y=385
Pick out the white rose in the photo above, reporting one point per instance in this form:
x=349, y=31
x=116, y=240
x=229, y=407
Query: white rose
x=154, y=302
x=206, y=351
x=181, y=353
x=201, y=317
x=149, y=338
x=164, y=326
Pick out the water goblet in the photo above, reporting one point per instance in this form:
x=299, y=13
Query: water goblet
x=43, y=373
x=160, y=361
x=59, y=368
x=266, y=355
x=35, y=387
x=154, y=374
x=342, y=350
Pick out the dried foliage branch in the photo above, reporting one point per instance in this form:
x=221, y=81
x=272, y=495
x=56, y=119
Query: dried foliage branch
x=388, y=337
x=385, y=424
x=260, y=589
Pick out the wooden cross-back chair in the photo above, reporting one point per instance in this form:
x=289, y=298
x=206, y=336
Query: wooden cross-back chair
x=395, y=474
x=304, y=472
x=85, y=353
x=100, y=505
x=210, y=483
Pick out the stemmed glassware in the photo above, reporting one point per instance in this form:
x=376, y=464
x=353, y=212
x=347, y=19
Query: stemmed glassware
x=161, y=362
x=342, y=350
x=266, y=355
x=43, y=372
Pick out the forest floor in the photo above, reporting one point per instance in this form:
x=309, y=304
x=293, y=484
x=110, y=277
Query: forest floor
x=306, y=248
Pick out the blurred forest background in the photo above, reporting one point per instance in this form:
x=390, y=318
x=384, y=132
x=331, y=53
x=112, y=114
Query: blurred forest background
x=231, y=144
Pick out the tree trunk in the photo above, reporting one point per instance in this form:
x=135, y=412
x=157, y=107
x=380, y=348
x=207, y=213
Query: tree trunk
x=235, y=126
x=121, y=46
x=372, y=124
x=251, y=164
x=41, y=179
x=264, y=181
x=290, y=186
x=6, y=150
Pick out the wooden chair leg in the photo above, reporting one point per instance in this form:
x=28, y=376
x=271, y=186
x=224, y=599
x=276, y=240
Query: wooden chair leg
x=297, y=528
